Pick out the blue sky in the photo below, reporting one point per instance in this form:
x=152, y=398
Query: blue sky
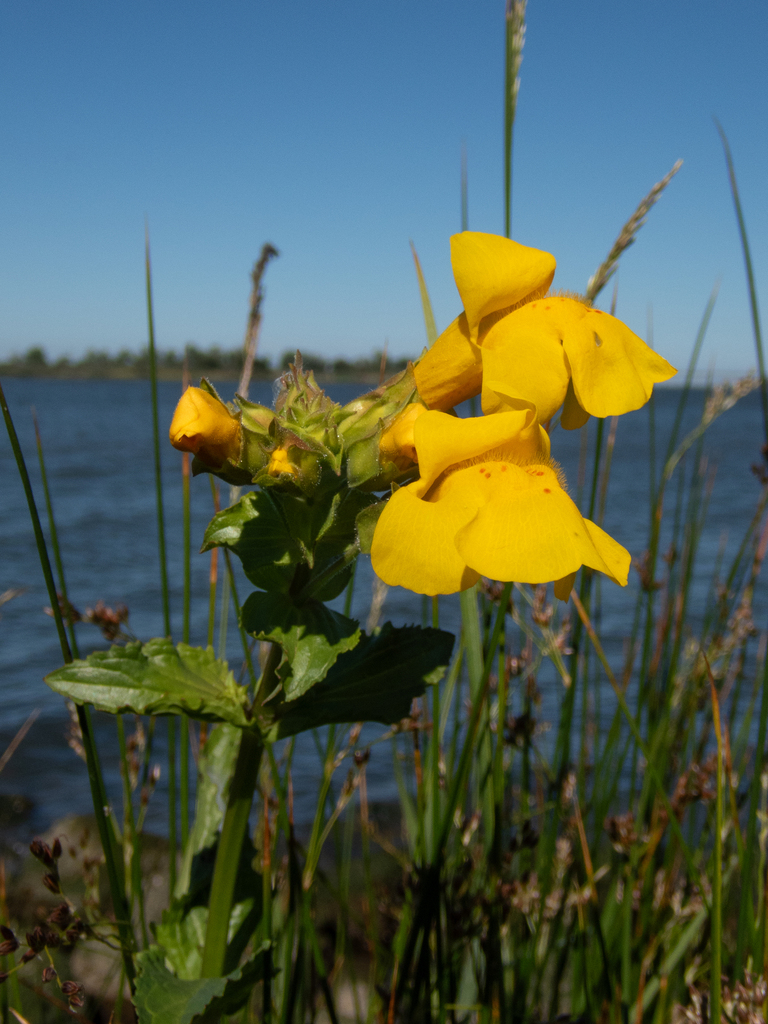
x=333, y=129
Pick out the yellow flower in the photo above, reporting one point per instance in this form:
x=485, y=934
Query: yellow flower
x=558, y=350
x=489, y=502
x=493, y=275
x=204, y=426
x=280, y=464
x=517, y=344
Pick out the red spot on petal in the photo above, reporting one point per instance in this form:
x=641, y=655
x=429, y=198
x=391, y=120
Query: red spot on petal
x=487, y=476
x=547, y=307
x=547, y=490
x=540, y=472
x=598, y=311
x=503, y=468
x=482, y=469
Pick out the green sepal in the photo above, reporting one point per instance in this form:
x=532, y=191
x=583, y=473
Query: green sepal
x=375, y=682
x=365, y=525
x=311, y=635
x=256, y=530
x=162, y=998
x=155, y=678
x=361, y=417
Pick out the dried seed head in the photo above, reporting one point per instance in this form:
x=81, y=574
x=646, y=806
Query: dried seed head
x=9, y=946
x=61, y=916
x=29, y=955
x=41, y=851
x=49, y=973
x=51, y=882
x=56, y=848
x=36, y=939
x=71, y=935
x=6, y=932
x=73, y=990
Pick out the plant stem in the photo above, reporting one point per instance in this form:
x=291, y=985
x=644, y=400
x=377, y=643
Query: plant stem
x=185, y=634
x=54, y=537
x=750, y=278
x=233, y=832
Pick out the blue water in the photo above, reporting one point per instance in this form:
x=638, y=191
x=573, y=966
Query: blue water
x=97, y=439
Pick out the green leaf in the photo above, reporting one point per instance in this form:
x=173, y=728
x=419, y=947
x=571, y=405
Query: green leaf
x=256, y=530
x=155, y=678
x=311, y=635
x=162, y=998
x=374, y=683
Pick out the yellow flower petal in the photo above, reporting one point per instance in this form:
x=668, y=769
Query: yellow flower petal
x=396, y=443
x=492, y=272
x=615, y=557
x=613, y=370
x=204, y=426
x=523, y=358
x=443, y=441
x=528, y=530
x=451, y=371
x=413, y=544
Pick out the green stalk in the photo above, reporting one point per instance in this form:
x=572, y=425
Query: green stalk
x=513, y=55
x=275, y=654
x=212, y=575
x=750, y=278
x=172, y=838
x=54, y=535
x=184, y=721
x=266, y=896
x=716, y=935
x=109, y=841
x=350, y=591
x=233, y=832
x=156, y=440
x=163, y=559
x=426, y=305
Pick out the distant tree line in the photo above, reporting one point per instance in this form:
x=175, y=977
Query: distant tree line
x=214, y=362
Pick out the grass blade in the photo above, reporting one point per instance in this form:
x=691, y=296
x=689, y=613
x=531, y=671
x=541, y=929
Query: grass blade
x=426, y=305
x=107, y=836
x=750, y=277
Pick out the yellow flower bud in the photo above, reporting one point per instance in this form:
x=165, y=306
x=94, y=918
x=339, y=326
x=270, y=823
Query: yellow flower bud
x=280, y=463
x=396, y=442
x=204, y=426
